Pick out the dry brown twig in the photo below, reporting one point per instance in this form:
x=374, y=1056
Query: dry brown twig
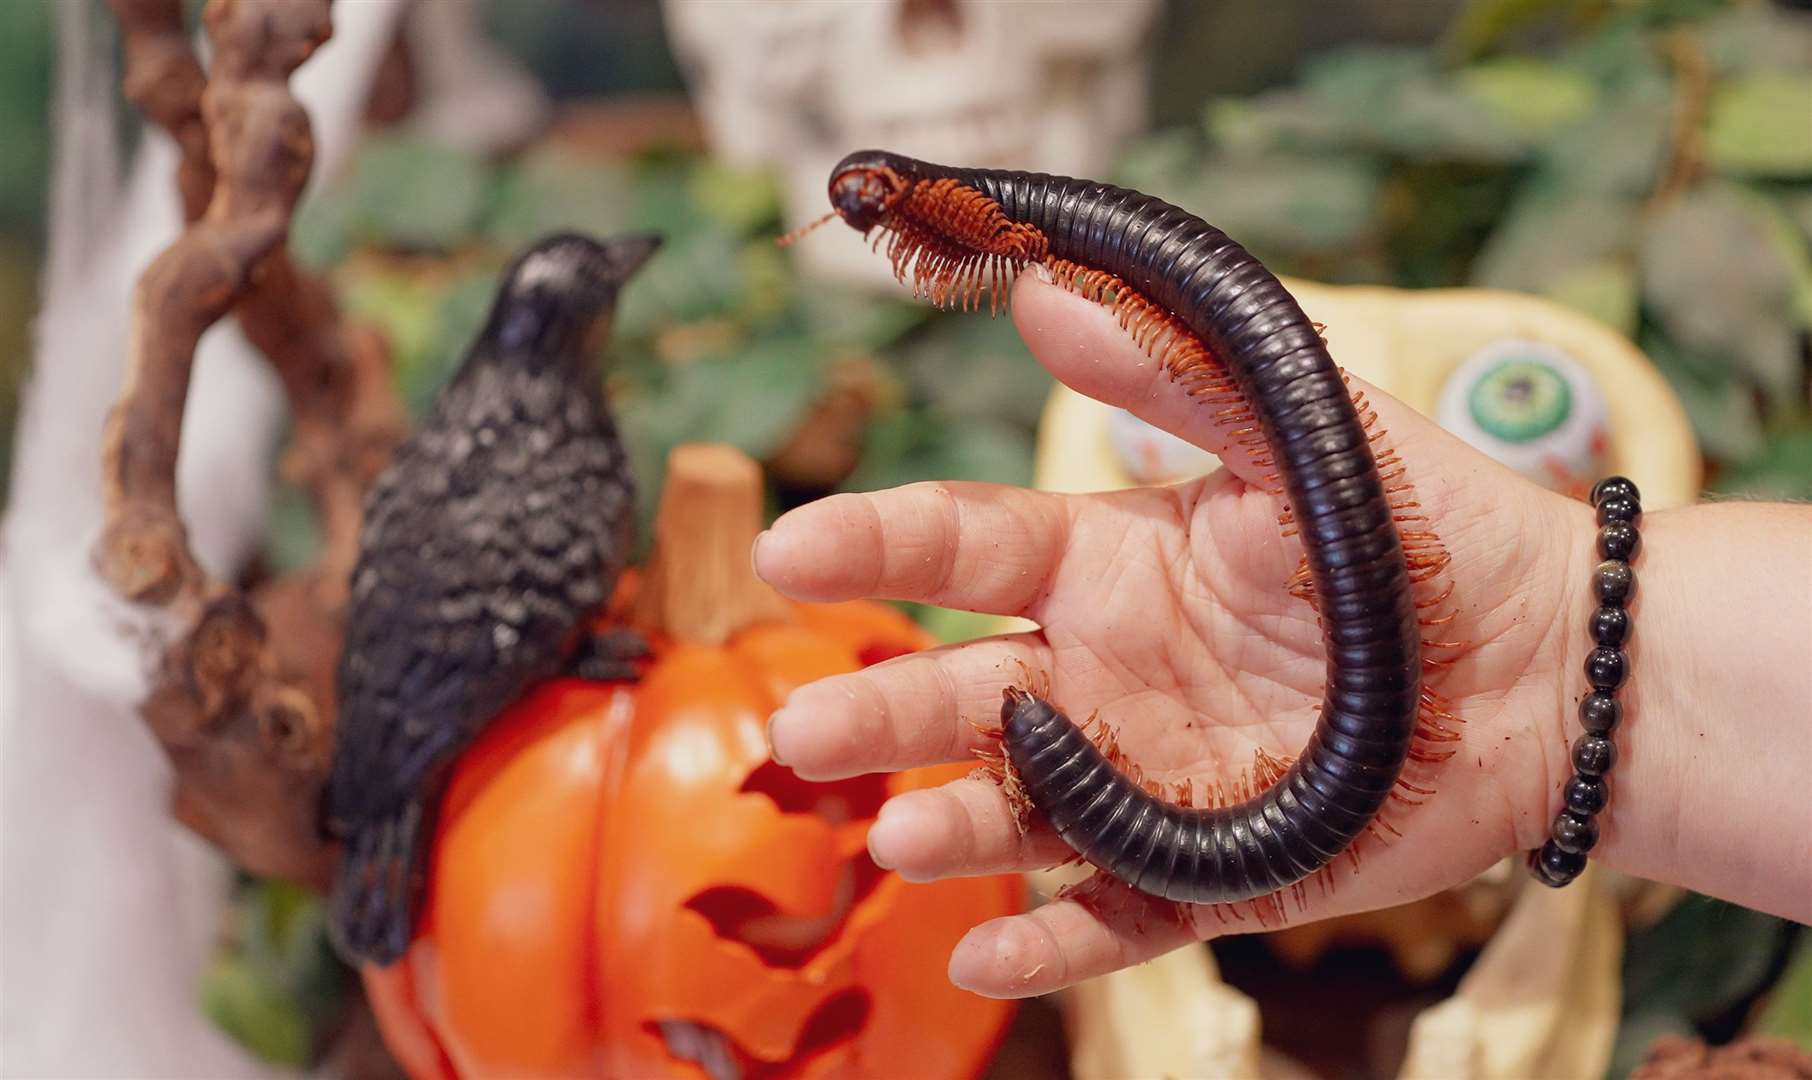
x=241, y=686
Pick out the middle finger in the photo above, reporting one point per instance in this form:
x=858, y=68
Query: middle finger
x=920, y=709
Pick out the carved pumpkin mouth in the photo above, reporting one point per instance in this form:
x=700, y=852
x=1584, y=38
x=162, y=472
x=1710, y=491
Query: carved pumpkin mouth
x=833, y=1024
x=740, y=914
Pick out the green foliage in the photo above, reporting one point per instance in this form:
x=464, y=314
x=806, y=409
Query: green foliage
x=18, y=296
x=416, y=194
x=717, y=339
x=1758, y=125
x=278, y=976
x=1788, y=1009
x=1564, y=171
x=25, y=82
x=1703, y=959
x=1722, y=291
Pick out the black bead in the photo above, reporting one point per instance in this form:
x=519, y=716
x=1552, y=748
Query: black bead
x=1613, y=581
x=1604, y=669
x=1555, y=867
x=1586, y=795
x=1610, y=626
x=1573, y=833
x=1614, y=487
x=1618, y=540
x=1618, y=510
x=1593, y=755
x=1599, y=712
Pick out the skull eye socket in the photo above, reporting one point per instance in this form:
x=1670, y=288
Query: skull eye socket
x=1532, y=406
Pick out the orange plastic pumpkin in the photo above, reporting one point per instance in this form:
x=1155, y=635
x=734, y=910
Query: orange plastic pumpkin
x=624, y=885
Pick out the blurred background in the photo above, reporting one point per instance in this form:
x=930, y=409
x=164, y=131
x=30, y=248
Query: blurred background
x=1647, y=164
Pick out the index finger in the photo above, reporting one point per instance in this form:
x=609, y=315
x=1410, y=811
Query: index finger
x=980, y=547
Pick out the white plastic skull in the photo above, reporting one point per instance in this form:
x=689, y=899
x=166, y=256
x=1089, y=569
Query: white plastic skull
x=1055, y=86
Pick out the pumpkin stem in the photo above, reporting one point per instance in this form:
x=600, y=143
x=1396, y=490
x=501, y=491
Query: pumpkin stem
x=699, y=585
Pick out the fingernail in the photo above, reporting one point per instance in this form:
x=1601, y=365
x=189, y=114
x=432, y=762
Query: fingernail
x=774, y=748
x=755, y=552
x=971, y=960
x=1043, y=273
x=885, y=825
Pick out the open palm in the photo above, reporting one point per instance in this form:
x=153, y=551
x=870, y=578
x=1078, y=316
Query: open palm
x=1166, y=610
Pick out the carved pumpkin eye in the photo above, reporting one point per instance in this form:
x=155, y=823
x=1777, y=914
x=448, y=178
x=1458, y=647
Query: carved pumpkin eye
x=1531, y=406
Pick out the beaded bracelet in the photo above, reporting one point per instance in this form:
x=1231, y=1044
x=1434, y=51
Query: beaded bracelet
x=1575, y=831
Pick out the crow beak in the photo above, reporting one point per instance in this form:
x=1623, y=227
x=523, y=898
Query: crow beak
x=630, y=251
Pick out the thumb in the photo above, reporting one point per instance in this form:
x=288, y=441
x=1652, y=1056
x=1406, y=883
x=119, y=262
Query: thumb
x=1082, y=344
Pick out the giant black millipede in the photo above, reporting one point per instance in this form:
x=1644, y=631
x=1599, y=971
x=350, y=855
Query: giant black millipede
x=1228, y=332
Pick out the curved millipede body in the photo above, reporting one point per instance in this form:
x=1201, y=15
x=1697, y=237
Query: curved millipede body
x=1230, y=334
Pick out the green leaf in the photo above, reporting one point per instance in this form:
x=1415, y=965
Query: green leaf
x=1796, y=206
x=767, y=281
x=738, y=199
x=1435, y=218
x=1288, y=120
x=417, y=194
x=662, y=202
x=1548, y=234
x=845, y=318
x=1704, y=957
x=1717, y=284
x=1616, y=150
x=1782, y=469
x=1788, y=1011
x=970, y=365
x=1393, y=100
x=1482, y=24
x=552, y=191
x=292, y=533
x=25, y=91
x=1286, y=205
x=752, y=400
x=1622, y=55
x=1791, y=246
x=951, y=626
x=261, y=1017
x=914, y=445
x=407, y=310
x=1603, y=288
x=694, y=276
x=1534, y=97
x=1161, y=160
x=1371, y=100
x=1751, y=36
x=429, y=320
x=321, y=234
x=1760, y=124
x=1723, y=412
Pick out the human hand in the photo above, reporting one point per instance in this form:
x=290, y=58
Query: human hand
x=1166, y=610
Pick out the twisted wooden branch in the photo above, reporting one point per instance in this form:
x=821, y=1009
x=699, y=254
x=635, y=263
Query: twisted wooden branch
x=164, y=80
x=244, y=713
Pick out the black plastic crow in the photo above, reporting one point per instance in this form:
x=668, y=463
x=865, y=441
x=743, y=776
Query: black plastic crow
x=488, y=547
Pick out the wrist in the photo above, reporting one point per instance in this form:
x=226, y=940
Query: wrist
x=1574, y=527
x=1711, y=747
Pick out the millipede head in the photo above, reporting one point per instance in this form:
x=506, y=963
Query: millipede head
x=863, y=192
